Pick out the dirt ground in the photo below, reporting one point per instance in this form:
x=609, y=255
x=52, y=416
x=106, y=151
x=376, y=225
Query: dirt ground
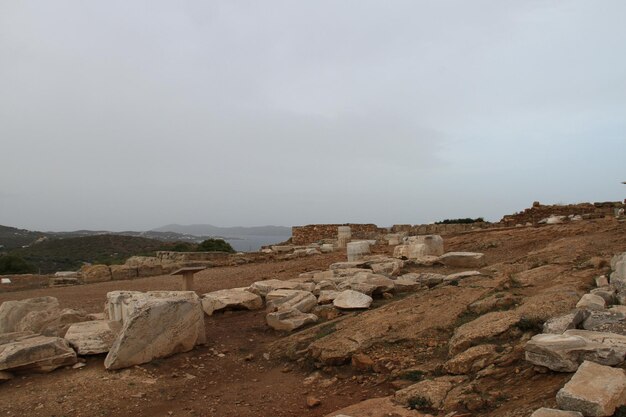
x=233, y=374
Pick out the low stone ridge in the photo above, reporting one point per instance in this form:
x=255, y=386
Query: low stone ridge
x=289, y=319
x=463, y=259
x=430, y=393
x=23, y=352
x=162, y=324
x=594, y=390
x=350, y=299
x=231, y=299
x=551, y=412
x=472, y=360
x=606, y=321
x=93, y=337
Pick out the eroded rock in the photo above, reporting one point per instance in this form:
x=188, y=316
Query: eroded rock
x=289, y=319
x=350, y=299
x=93, y=337
x=22, y=352
x=231, y=299
x=463, y=259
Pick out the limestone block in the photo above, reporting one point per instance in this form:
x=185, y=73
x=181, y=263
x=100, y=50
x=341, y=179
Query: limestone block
x=594, y=390
x=122, y=272
x=564, y=353
x=463, y=259
x=279, y=300
x=93, y=337
x=159, y=327
x=289, y=319
x=350, y=299
x=35, y=353
x=357, y=250
x=12, y=312
x=230, y=299
x=591, y=302
x=472, y=360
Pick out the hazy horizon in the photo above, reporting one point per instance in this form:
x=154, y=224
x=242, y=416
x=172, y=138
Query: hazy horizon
x=133, y=115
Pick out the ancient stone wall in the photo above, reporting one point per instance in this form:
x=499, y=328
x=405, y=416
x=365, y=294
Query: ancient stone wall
x=539, y=211
x=168, y=256
x=440, y=229
x=303, y=235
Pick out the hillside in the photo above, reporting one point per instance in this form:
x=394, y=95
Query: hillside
x=70, y=253
x=12, y=237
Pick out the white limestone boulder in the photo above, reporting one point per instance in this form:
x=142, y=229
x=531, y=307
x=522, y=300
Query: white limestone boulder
x=264, y=287
x=93, y=337
x=591, y=302
x=231, y=299
x=14, y=311
x=350, y=299
x=157, y=328
x=594, y=390
x=358, y=250
x=559, y=324
x=463, y=259
x=367, y=283
x=23, y=352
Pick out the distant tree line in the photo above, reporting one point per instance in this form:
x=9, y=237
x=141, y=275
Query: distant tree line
x=209, y=245
x=11, y=264
x=462, y=221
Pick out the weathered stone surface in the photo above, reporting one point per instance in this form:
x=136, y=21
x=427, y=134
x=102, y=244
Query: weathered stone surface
x=594, y=390
x=350, y=299
x=346, y=265
x=231, y=299
x=123, y=272
x=539, y=275
x=428, y=279
x=606, y=321
x=559, y=324
x=326, y=312
x=602, y=281
x=93, y=337
x=433, y=244
x=430, y=393
x=12, y=312
x=146, y=266
x=95, y=273
x=484, y=327
x=327, y=297
x=498, y=301
x=289, y=319
x=367, y=283
x=388, y=268
x=160, y=325
x=461, y=275
x=472, y=360
x=5, y=376
x=606, y=293
x=551, y=412
x=591, y=302
x=278, y=300
x=405, y=284
x=357, y=250
x=52, y=322
x=262, y=288
x=463, y=259
x=63, y=281
x=564, y=353
x=324, y=286
x=375, y=407
x=35, y=353
x=401, y=251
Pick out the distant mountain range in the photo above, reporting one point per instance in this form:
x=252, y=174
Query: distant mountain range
x=210, y=230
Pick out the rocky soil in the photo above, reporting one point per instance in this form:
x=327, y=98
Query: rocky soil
x=467, y=335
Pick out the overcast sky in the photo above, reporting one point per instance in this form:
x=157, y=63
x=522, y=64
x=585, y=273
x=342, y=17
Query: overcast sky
x=133, y=114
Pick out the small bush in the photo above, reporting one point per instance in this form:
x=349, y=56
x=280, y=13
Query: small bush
x=420, y=403
x=11, y=264
x=215, y=245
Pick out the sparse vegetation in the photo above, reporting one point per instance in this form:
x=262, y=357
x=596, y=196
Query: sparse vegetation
x=420, y=403
x=215, y=245
x=11, y=264
x=530, y=324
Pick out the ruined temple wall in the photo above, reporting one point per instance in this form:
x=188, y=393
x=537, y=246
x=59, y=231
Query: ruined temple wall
x=303, y=235
x=539, y=211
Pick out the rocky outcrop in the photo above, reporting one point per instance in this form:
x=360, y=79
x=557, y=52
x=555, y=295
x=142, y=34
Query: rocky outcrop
x=123, y=272
x=472, y=360
x=350, y=300
x=289, y=319
x=95, y=273
x=375, y=407
x=428, y=394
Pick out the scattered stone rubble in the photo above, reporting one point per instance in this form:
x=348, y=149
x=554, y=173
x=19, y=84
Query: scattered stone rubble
x=588, y=341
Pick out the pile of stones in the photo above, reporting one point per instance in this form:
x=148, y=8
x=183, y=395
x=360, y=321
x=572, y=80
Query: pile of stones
x=589, y=341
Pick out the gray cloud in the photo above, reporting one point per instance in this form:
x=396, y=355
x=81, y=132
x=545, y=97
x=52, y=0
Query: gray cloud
x=131, y=115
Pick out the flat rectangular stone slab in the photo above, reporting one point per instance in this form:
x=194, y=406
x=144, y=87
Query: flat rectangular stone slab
x=594, y=390
x=551, y=412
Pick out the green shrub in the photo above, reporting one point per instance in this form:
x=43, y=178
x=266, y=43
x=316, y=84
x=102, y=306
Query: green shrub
x=183, y=247
x=215, y=245
x=11, y=264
